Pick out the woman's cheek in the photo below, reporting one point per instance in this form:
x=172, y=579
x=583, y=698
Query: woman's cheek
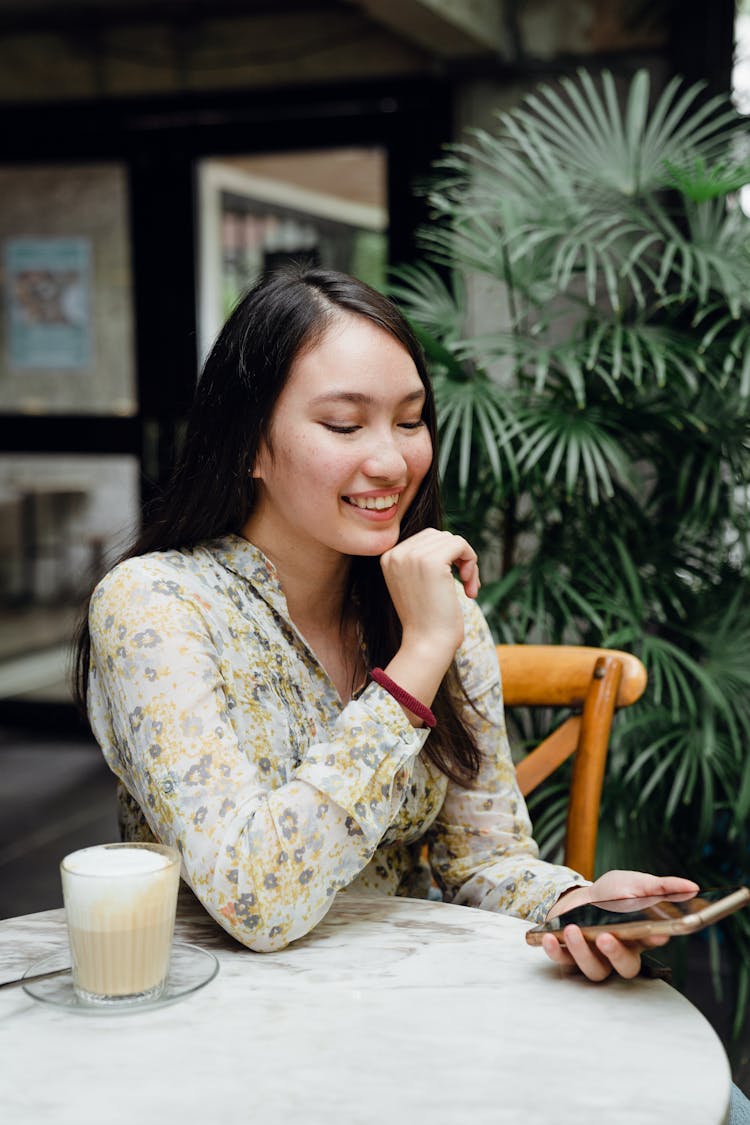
x=423, y=460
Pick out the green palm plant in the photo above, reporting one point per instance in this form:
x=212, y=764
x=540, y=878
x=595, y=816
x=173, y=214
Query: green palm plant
x=595, y=433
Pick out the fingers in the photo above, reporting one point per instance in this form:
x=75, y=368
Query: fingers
x=592, y=962
x=468, y=572
x=556, y=952
x=615, y=885
x=624, y=958
x=655, y=940
x=598, y=961
x=432, y=547
x=676, y=888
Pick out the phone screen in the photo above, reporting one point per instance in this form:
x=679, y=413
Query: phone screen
x=633, y=909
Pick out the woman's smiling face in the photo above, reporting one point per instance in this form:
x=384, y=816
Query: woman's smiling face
x=348, y=448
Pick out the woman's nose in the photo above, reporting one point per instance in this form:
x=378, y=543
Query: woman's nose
x=385, y=460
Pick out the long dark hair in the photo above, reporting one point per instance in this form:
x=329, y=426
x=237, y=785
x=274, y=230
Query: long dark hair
x=212, y=491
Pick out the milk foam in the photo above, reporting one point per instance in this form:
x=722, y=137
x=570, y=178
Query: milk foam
x=103, y=886
x=115, y=861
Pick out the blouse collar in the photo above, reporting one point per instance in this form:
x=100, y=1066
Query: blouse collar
x=248, y=561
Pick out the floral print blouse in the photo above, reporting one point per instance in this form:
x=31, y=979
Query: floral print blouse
x=231, y=742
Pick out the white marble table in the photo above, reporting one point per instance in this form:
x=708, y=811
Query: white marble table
x=392, y=1011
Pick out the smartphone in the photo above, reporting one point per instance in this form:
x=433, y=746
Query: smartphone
x=634, y=918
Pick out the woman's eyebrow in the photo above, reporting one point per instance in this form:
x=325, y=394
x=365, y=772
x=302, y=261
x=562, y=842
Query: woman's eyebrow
x=359, y=398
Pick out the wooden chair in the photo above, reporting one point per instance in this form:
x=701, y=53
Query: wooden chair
x=594, y=682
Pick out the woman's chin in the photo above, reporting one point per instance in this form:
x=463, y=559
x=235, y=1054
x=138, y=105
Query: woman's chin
x=375, y=544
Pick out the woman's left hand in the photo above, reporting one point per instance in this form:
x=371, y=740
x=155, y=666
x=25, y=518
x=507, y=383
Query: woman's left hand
x=608, y=954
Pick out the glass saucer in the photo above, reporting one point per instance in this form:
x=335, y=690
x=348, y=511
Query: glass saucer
x=190, y=968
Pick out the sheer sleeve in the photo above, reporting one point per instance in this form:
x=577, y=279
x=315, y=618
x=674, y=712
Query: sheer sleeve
x=481, y=849
x=265, y=859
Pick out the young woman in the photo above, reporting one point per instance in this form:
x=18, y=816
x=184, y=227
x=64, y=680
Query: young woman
x=285, y=675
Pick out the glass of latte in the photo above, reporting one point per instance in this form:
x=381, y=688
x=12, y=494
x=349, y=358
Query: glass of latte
x=120, y=905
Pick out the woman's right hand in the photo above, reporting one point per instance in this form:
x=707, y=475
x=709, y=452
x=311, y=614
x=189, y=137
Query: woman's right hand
x=419, y=575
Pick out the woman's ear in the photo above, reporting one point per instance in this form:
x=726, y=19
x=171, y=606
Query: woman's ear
x=260, y=463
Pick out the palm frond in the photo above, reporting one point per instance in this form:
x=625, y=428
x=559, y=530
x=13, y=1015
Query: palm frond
x=536, y=600
x=429, y=301
x=709, y=259
x=572, y=448
x=626, y=153
x=475, y=414
x=701, y=181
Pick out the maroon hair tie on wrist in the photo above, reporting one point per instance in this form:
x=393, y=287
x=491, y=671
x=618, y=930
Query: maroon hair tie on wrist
x=404, y=698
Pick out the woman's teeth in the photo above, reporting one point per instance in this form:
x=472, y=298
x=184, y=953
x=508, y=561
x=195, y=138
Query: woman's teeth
x=374, y=502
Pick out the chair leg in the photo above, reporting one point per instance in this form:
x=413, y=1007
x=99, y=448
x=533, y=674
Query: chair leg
x=589, y=765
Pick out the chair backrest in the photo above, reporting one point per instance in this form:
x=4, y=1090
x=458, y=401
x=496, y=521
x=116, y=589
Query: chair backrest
x=594, y=683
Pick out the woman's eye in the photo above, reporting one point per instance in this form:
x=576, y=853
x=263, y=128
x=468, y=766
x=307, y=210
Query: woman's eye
x=352, y=428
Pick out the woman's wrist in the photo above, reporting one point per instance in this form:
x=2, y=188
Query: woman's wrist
x=425, y=658
x=571, y=897
x=433, y=651
x=418, y=675
x=414, y=707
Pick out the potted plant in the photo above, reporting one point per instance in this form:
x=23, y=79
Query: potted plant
x=594, y=409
